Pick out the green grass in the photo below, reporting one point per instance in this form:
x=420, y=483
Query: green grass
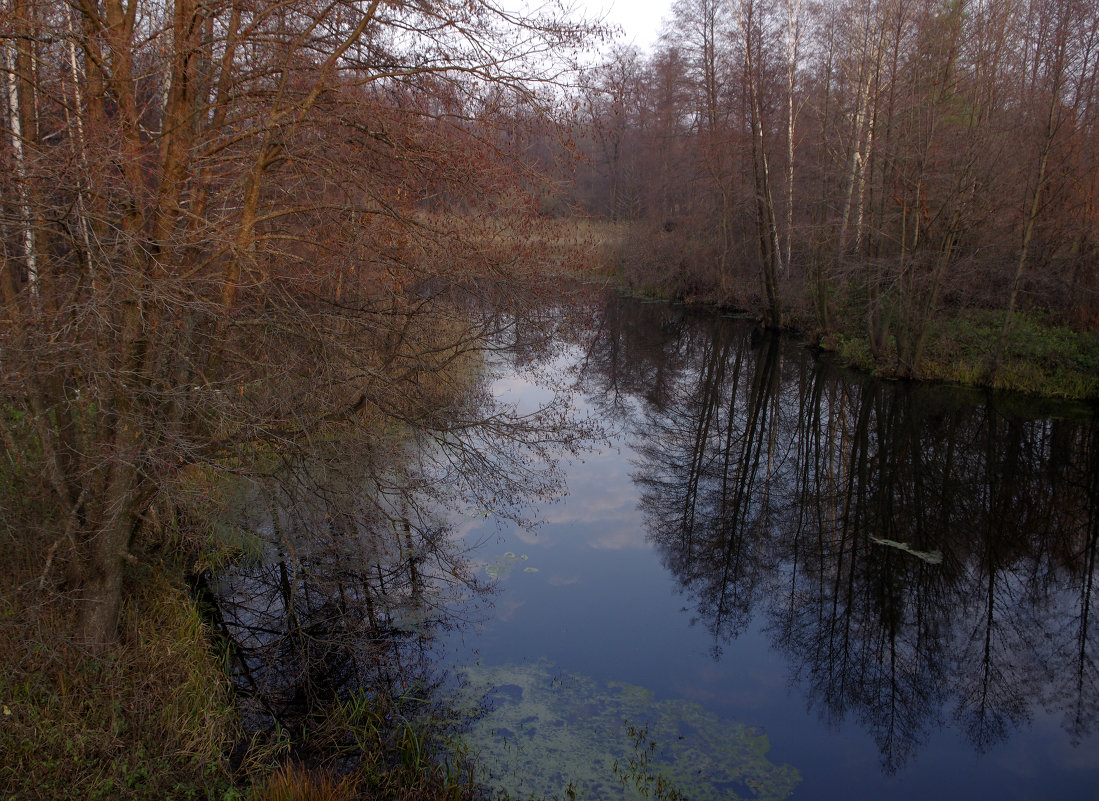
x=395, y=747
x=1040, y=356
x=152, y=718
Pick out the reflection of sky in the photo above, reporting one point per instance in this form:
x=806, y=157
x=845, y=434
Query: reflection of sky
x=603, y=605
x=522, y=391
x=601, y=500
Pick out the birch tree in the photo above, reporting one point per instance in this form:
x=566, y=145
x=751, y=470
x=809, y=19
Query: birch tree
x=754, y=52
x=793, y=48
x=241, y=201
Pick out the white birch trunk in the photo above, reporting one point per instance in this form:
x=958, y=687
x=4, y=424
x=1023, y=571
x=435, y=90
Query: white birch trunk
x=75, y=122
x=30, y=256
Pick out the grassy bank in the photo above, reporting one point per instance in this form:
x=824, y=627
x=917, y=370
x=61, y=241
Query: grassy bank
x=154, y=715
x=1043, y=355
x=151, y=718
x=154, y=718
x=1040, y=356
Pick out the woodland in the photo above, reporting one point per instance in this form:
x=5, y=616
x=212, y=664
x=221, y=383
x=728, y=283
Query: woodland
x=917, y=176
x=241, y=237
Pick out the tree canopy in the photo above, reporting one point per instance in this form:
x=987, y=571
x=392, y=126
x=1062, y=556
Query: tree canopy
x=226, y=226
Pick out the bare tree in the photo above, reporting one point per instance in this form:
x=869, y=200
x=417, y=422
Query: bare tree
x=228, y=246
x=755, y=52
x=1061, y=39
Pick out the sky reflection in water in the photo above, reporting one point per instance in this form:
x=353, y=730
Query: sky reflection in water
x=737, y=545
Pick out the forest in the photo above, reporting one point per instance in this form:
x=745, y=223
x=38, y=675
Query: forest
x=919, y=176
x=246, y=244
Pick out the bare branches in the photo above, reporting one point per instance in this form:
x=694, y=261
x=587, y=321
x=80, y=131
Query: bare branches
x=913, y=139
x=220, y=218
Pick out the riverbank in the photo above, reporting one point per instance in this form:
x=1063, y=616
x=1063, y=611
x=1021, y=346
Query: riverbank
x=155, y=716
x=954, y=336
x=158, y=713
x=1040, y=357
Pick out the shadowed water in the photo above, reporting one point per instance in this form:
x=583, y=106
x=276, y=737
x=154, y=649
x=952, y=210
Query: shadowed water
x=893, y=580
x=770, y=576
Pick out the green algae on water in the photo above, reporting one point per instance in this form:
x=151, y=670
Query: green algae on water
x=549, y=734
x=499, y=568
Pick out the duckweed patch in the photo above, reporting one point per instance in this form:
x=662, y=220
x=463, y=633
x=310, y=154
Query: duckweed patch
x=548, y=734
x=501, y=566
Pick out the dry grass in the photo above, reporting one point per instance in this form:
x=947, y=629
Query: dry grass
x=290, y=783
x=569, y=245
x=152, y=718
x=293, y=782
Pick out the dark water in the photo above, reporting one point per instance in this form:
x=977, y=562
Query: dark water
x=768, y=577
x=893, y=581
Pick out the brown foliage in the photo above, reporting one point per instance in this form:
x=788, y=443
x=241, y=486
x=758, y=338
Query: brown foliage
x=219, y=245
x=914, y=156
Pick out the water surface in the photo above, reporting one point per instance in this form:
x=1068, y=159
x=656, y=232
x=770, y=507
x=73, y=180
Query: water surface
x=890, y=582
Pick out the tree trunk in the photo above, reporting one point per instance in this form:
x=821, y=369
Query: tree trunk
x=16, y=119
x=770, y=249
x=109, y=552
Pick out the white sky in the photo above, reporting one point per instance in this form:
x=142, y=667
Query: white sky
x=639, y=19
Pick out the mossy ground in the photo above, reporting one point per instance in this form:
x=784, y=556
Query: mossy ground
x=1041, y=357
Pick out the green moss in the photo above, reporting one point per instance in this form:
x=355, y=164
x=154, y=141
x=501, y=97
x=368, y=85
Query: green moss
x=1040, y=356
x=547, y=734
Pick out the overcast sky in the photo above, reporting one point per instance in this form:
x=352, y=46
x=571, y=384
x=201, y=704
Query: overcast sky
x=639, y=19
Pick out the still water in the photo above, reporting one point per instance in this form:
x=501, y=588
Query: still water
x=874, y=589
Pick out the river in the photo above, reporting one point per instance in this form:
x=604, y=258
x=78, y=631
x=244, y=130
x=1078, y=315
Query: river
x=767, y=577
x=892, y=581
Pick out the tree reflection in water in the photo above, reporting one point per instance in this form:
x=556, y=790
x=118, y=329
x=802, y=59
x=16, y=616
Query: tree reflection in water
x=924, y=556
x=356, y=563
x=342, y=598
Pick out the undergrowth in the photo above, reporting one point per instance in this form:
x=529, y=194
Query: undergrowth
x=152, y=718
x=1040, y=356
